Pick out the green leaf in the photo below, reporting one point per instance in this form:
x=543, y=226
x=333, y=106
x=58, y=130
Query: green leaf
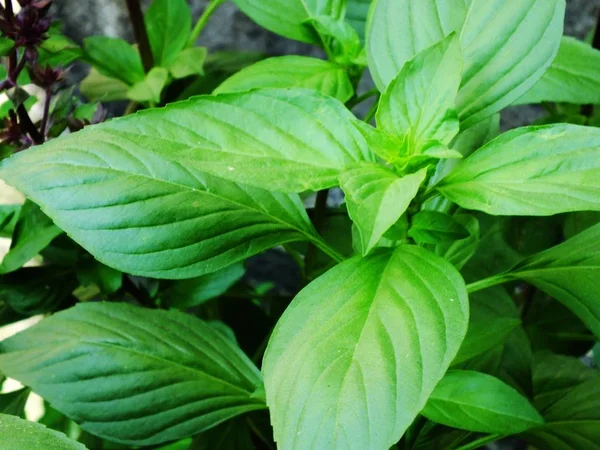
x=9, y=216
x=151, y=87
x=196, y=291
x=258, y=138
x=58, y=50
x=351, y=372
x=92, y=272
x=481, y=403
x=13, y=403
x=357, y=12
x=19, y=434
x=568, y=272
x=6, y=45
x=342, y=43
x=376, y=198
x=573, y=77
x=432, y=227
x=568, y=395
x=114, y=58
x=169, y=24
x=37, y=290
x=288, y=17
x=292, y=71
x=498, y=67
x=188, y=62
x=400, y=29
x=134, y=375
x=33, y=232
x=122, y=190
x=100, y=88
x=418, y=105
x=460, y=252
x=493, y=317
x=535, y=171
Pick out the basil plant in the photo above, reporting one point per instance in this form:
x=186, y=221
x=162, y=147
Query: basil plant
x=446, y=300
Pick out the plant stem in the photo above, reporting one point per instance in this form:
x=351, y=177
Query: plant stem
x=318, y=218
x=46, y=116
x=27, y=125
x=203, y=20
x=372, y=111
x=136, y=16
x=258, y=433
x=361, y=98
x=488, y=282
x=481, y=442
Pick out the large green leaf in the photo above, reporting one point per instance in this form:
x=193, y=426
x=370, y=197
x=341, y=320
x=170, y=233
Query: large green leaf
x=568, y=395
x=33, y=232
x=531, y=171
x=498, y=67
x=114, y=58
x=493, y=317
x=507, y=45
x=352, y=372
x=418, y=105
x=399, y=29
x=376, y=198
x=573, y=77
x=19, y=434
x=478, y=402
x=169, y=24
x=288, y=17
x=134, y=375
x=134, y=191
x=569, y=273
x=292, y=71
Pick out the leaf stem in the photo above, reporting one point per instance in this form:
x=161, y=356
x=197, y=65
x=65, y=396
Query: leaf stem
x=258, y=433
x=361, y=98
x=203, y=20
x=136, y=16
x=318, y=218
x=371, y=113
x=488, y=282
x=46, y=116
x=481, y=442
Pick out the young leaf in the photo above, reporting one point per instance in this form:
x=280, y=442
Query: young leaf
x=351, y=372
x=100, y=88
x=573, y=76
x=134, y=375
x=419, y=103
x=114, y=58
x=376, y=198
x=568, y=394
x=169, y=24
x=292, y=71
x=288, y=17
x=92, y=272
x=400, y=29
x=432, y=227
x=493, y=317
x=151, y=87
x=460, y=252
x=535, y=171
x=188, y=62
x=341, y=41
x=481, y=403
x=568, y=272
x=498, y=67
x=19, y=434
x=33, y=232
x=189, y=293
x=138, y=197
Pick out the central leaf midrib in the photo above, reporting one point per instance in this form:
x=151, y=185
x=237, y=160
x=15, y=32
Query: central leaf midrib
x=310, y=236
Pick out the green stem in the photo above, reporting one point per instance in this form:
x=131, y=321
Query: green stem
x=372, y=111
x=481, y=442
x=361, y=98
x=333, y=254
x=203, y=20
x=258, y=433
x=488, y=282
